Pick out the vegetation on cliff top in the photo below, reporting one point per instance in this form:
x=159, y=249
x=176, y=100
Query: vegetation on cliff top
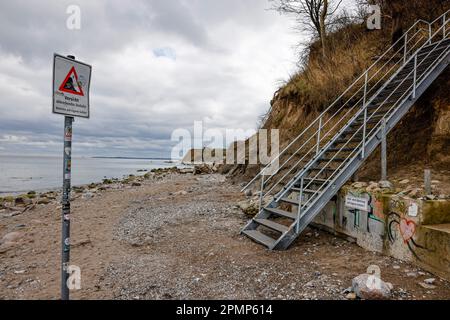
x=423, y=136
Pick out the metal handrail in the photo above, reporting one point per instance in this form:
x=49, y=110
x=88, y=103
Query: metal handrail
x=320, y=118
x=344, y=117
x=386, y=108
x=407, y=92
x=404, y=38
x=376, y=127
x=356, y=149
x=379, y=107
x=367, y=88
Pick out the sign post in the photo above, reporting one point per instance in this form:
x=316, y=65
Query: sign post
x=65, y=241
x=71, y=83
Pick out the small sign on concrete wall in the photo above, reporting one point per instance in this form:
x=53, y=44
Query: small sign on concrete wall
x=413, y=210
x=358, y=203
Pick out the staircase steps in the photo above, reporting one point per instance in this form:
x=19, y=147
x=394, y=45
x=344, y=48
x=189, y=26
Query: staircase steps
x=304, y=191
x=332, y=160
x=290, y=201
x=260, y=238
x=322, y=169
x=353, y=140
x=281, y=213
x=334, y=150
x=315, y=180
x=272, y=225
x=389, y=99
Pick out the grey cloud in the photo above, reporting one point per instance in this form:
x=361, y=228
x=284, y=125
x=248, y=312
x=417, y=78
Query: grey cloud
x=225, y=58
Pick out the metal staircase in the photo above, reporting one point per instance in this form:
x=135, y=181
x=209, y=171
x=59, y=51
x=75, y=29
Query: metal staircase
x=315, y=165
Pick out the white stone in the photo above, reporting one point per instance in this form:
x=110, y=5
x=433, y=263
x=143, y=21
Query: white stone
x=386, y=185
x=369, y=288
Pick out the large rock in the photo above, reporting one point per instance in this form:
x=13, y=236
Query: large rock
x=203, y=169
x=415, y=193
x=386, y=185
x=43, y=201
x=250, y=208
x=186, y=170
x=367, y=287
x=359, y=185
x=372, y=187
x=23, y=201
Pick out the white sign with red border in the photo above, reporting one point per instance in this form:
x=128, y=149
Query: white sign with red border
x=71, y=84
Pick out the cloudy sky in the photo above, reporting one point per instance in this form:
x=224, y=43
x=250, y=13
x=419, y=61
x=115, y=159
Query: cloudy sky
x=158, y=65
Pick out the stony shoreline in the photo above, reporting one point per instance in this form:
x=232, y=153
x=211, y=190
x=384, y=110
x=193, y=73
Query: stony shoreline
x=175, y=235
x=15, y=205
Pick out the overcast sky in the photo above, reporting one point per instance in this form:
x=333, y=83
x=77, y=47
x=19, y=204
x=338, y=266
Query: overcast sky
x=158, y=65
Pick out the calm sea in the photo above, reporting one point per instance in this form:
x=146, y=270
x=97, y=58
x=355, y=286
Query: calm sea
x=20, y=174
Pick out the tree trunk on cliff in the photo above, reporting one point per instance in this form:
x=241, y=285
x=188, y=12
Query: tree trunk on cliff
x=323, y=30
x=312, y=15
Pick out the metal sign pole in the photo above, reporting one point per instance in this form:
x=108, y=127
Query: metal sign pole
x=65, y=245
x=71, y=84
x=67, y=174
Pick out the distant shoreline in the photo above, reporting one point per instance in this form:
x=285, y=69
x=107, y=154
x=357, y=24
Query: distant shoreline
x=14, y=187
x=136, y=158
x=86, y=157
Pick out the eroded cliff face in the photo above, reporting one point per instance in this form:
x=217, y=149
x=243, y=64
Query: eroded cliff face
x=421, y=139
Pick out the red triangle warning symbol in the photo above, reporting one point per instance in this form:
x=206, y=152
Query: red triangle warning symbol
x=71, y=84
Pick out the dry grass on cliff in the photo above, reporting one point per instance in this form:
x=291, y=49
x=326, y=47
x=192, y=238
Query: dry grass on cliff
x=350, y=51
x=422, y=136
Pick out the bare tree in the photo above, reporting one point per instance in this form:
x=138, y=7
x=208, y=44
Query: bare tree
x=312, y=15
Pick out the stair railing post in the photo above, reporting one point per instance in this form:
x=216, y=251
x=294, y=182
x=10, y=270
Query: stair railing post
x=415, y=77
x=365, y=116
x=300, y=203
x=318, y=136
x=363, y=153
x=445, y=24
x=430, y=32
x=383, y=151
x=261, y=194
x=366, y=77
x=405, y=49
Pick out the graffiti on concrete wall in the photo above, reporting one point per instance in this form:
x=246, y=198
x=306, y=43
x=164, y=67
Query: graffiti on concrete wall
x=406, y=229
x=375, y=213
x=390, y=224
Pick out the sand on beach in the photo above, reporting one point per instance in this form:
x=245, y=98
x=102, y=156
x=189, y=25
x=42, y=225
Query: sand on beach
x=176, y=236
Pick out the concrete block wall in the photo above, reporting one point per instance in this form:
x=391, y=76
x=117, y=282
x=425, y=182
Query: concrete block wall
x=413, y=230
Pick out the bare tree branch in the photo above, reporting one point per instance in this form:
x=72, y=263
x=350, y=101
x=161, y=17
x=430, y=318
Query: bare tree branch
x=312, y=15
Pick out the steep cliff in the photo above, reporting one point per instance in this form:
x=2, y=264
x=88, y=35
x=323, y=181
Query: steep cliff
x=421, y=139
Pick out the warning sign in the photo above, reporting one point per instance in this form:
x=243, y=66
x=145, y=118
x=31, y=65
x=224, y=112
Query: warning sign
x=358, y=203
x=71, y=82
